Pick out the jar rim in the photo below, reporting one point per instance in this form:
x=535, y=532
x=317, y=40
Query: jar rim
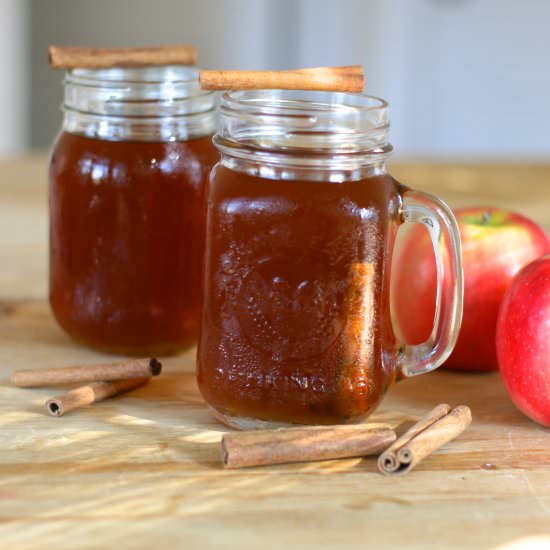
x=302, y=100
x=153, y=74
x=153, y=103
x=303, y=127
x=304, y=118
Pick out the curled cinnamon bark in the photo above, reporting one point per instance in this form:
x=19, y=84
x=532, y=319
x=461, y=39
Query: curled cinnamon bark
x=71, y=57
x=334, y=79
x=131, y=368
x=86, y=395
x=440, y=426
x=264, y=447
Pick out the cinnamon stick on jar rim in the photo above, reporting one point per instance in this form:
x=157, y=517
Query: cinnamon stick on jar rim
x=131, y=368
x=86, y=395
x=71, y=57
x=331, y=79
x=438, y=427
x=266, y=447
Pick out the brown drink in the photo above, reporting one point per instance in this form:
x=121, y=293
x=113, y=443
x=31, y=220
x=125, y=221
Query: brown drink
x=127, y=239
x=302, y=217
x=293, y=270
x=127, y=210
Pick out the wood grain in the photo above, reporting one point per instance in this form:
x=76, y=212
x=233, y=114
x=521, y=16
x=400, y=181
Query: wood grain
x=143, y=470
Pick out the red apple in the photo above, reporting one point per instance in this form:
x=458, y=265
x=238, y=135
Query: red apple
x=523, y=340
x=496, y=244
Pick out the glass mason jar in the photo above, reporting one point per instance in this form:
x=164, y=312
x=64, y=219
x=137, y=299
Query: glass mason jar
x=302, y=218
x=127, y=210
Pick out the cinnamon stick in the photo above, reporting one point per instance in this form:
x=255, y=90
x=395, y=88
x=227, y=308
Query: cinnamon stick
x=432, y=432
x=86, y=395
x=388, y=459
x=131, y=368
x=265, y=447
x=70, y=57
x=333, y=79
x=358, y=340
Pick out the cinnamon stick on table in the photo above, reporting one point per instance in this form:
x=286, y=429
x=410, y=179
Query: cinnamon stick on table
x=264, y=447
x=131, y=368
x=70, y=57
x=86, y=395
x=335, y=79
x=438, y=427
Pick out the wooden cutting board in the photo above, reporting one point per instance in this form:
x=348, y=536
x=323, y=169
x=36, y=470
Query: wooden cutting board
x=144, y=470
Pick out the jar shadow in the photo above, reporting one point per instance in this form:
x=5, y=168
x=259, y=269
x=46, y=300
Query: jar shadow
x=483, y=392
x=30, y=322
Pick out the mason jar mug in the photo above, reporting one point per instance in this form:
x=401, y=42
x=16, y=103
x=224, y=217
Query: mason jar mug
x=302, y=218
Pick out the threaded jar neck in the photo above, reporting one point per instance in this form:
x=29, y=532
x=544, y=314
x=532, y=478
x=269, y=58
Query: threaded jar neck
x=162, y=103
x=267, y=131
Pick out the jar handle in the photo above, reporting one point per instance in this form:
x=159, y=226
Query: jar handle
x=441, y=224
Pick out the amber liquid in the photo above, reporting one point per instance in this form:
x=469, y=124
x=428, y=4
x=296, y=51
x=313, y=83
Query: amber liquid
x=126, y=241
x=296, y=323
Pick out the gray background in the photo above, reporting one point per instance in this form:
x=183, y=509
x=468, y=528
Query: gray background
x=465, y=78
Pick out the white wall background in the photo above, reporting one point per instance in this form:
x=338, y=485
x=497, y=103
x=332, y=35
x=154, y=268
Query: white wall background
x=14, y=72
x=466, y=79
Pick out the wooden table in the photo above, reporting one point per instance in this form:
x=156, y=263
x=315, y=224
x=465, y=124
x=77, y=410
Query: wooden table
x=143, y=471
